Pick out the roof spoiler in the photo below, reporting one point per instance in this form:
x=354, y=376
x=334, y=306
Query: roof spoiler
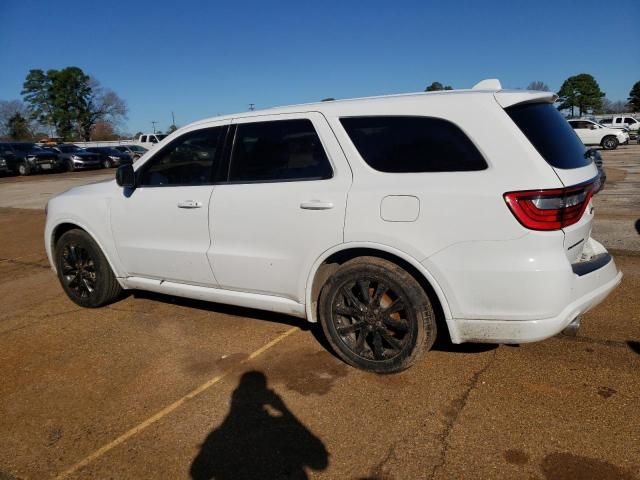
x=507, y=98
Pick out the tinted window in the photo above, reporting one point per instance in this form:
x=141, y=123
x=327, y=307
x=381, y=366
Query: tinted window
x=629, y=121
x=143, y=138
x=618, y=120
x=413, y=144
x=550, y=134
x=281, y=150
x=190, y=159
x=605, y=121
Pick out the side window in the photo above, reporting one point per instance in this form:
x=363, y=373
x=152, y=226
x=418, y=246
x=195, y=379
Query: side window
x=283, y=150
x=413, y=144
x=629, y=121
x=574, y=125
x=618, y=120
x=143, y=138
x=190, y=159
x=153, y=139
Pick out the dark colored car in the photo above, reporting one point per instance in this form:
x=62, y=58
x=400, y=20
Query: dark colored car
x=27, y=158
x=134, y=151
x=597, y=159
x=110, y=157
x=75, y=158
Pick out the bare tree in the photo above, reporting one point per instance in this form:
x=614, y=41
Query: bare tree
x=8, y=108
x=538, y=85
x=103, y=104
x=619, y=106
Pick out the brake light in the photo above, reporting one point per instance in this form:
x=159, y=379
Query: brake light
x=550, y=209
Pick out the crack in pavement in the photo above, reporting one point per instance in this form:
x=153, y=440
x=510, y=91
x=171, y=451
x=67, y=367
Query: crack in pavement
x=451, y=420
x=13, y=261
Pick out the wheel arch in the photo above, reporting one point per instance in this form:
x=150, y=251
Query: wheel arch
x=330, y=261
x=66, y=225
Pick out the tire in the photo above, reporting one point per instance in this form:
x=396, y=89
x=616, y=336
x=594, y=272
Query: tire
x=610, y=142
x=106, y=163
x=376, y=316
x=83, y=270
x=24, y=169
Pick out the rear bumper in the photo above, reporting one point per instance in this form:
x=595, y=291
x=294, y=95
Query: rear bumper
x=588, y=291
x=521, y=290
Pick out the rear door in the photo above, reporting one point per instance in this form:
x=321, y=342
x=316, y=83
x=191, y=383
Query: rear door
x=558, y=144
x=282, y=206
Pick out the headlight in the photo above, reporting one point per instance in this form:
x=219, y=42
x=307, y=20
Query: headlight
x=75, y=157
x=114, y=157
x=3, y=162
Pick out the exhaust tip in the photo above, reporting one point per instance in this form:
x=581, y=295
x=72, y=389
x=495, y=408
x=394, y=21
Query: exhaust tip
x=571, y=330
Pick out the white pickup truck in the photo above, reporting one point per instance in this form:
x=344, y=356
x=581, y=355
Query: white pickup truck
x=149, y=140
x=622, y=122
x=146, y=140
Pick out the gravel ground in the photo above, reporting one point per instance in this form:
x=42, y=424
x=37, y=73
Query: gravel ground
x=158, y=387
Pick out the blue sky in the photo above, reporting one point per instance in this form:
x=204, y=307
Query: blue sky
x=199, y=59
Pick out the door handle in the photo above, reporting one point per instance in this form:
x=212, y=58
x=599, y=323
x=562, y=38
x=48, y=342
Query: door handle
x=189, y=204
x=316, y=205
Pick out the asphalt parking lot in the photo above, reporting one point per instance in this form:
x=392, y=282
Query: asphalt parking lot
x=159, y=387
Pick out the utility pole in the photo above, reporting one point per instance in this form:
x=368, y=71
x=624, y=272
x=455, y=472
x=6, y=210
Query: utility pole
x=153, y=123
x=173, y=119
x=252, y=107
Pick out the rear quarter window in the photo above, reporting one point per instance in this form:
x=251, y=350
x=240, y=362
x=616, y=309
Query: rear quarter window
x=550, y=134
x=412, y=144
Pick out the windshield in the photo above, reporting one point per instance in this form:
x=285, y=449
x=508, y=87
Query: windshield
x=550, y=134
x=69, y=148
x=25, y=147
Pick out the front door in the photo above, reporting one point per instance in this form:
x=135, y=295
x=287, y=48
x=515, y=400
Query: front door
x=161, y=228
x=282, y=207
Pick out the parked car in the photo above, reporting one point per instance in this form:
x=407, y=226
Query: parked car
x=385, y=219
x=27, y=158
x=597, y=159
x=592, y=133
x=76, y=158
x=110, y=157
x=134, y=151
x=622, y=122
x=150, y=140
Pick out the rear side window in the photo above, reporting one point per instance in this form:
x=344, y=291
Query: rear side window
x=413, y=144
x=550, y=134
x=283, y=150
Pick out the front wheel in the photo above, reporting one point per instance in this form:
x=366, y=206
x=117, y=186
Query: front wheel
x=376, y=316
x=24, y=169
x=610, y=143
x=83, y=270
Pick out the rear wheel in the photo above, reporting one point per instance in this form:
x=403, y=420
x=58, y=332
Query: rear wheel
x=610, y=143
x=83, y=270
x=376, y=316
x=24, y=169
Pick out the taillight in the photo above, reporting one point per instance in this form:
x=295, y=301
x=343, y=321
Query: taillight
x=550, y=209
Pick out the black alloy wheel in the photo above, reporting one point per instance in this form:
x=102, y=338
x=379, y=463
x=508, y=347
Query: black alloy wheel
x=78, y=270
x=376, y=316
x=83, y=271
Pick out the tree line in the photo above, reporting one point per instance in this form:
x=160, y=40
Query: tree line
x=68, y=102
x=579, y=92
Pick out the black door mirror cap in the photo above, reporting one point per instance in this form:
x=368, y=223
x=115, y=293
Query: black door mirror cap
x=125, y=176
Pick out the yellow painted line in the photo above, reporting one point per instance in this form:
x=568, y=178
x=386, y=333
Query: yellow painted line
x=167, y=410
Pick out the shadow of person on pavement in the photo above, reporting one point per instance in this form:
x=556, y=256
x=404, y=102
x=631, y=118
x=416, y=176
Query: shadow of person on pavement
x=259, y=438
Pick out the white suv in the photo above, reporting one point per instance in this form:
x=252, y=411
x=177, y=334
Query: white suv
x=383, y=218
x=592, y=133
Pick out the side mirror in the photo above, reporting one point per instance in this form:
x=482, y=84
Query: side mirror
x=125, y=176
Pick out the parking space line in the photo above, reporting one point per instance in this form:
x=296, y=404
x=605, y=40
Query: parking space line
x=167, y=410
